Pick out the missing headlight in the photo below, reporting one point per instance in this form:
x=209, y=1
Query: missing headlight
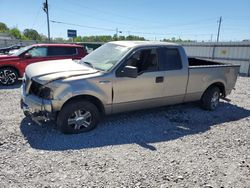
x=46, y=93
x=41, y=91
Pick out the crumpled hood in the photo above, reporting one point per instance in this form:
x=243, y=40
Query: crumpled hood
x=48, y=71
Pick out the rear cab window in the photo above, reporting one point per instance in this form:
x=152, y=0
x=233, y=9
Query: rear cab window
x=61, y=51
x=170, y=59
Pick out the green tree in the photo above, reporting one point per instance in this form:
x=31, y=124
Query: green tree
x=3, y=27
x=121, y=38
x=15, y=33
x=132, y=37
x=173, y=39
x=78, y=39
x=31, y=34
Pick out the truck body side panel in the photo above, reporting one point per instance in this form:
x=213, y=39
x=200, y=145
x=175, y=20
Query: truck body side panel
x=201, y=77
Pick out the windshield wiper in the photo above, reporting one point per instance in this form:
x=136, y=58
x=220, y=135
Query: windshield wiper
x=92, y=66
x=89, y=64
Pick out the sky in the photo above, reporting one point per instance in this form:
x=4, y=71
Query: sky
x=152, y=19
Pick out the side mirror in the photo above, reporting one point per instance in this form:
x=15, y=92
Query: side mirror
x=129, y=71
x=27, y=56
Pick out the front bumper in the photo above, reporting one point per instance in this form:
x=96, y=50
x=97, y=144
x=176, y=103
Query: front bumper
x=35, y=108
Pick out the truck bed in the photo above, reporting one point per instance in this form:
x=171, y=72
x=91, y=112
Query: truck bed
x=202, y=62
x=203, y=73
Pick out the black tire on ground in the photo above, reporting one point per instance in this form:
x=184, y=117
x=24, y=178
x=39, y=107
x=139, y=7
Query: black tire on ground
x=210, y=98
x=8, y=76
x=78, y=116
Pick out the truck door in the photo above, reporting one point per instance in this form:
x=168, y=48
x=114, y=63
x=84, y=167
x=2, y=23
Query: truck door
x=143, y=91
x=176, y=74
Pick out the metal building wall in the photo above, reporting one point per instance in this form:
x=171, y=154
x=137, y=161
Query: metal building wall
x=227, y=52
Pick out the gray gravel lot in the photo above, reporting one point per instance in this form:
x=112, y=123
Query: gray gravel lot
x=175, y=146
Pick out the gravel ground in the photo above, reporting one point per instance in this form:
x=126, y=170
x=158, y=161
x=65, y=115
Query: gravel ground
x=175, y=146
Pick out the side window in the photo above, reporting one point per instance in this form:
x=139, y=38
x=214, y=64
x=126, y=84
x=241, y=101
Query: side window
x=144, y=60
x=170, y=59
x=38, y=52
x=61, y=51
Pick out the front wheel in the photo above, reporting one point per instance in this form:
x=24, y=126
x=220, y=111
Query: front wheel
x=77, y=117
x=210, y=99
x=8, y=76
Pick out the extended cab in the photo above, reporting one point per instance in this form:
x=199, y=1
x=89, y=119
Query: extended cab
x=121, y=76
x=12, y=66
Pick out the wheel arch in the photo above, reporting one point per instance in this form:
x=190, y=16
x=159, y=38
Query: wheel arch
x=220, y=85
x=89, y=98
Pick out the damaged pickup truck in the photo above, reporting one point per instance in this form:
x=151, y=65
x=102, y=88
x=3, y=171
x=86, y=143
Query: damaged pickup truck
x=121, y=76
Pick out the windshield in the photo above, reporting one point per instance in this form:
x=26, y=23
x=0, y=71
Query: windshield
x=21, y=50
x=106, y=56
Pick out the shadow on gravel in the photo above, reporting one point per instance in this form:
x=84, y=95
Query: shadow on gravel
x=140, y=127
x=15, y=86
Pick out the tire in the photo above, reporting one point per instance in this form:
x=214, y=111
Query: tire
x=210, y=99
x=78, y=116
x=8, y=76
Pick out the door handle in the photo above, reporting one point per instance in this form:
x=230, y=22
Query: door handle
x=159, y=79
x=104, y=81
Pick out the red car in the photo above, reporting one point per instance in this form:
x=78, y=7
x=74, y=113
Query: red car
x=13, y=66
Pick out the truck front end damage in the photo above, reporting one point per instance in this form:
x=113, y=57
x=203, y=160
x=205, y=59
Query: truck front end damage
x=33, y=102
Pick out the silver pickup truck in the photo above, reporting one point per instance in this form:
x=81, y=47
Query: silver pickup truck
x=121, y=76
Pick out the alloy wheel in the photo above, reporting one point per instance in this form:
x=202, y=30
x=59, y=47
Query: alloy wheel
x=7, y=77
x=80, y=119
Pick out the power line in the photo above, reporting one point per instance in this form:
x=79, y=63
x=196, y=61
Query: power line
x=38, y=12
x=104, y=12
x=41, y=25
x=92, y=17
x=115, y=30
x=106, y=29
x=90, y=27
x=201, y=21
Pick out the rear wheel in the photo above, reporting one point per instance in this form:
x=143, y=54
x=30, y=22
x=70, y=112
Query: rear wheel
x=78, y=117
x=210, y=99
x=8, y=76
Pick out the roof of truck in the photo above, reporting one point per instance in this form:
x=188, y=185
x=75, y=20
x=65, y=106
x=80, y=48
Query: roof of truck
x=57, y=44
x=143, y=43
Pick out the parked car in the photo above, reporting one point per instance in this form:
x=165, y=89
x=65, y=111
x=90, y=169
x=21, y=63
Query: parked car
x=118, y=77
x=12, y=66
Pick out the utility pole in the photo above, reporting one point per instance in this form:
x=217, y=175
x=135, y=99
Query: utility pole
x=117, y=33
x=218, y=35
x=46, y=10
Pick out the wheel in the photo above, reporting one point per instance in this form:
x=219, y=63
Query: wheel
x=8, y=76
x=77, y=117
x=210, y=99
